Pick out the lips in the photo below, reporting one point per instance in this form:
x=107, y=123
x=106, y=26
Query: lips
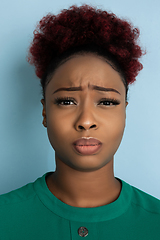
x=87, y=146
x=87, y=142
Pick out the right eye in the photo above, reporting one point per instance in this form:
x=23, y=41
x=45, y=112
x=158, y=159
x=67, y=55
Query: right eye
x=64, y=101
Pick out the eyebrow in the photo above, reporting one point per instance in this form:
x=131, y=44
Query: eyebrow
x=94, y=87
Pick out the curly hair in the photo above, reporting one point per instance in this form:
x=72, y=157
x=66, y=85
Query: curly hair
x=83, y=29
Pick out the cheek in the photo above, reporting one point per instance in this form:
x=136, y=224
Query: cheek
x=114, y=127
x=119, y=131
x=58, y=129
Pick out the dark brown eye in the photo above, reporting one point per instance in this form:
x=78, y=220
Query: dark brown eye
x=109, y=102
x=64, y=101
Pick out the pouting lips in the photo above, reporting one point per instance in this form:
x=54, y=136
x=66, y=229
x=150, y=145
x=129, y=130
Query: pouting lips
x=87, y=149
x=87, y=142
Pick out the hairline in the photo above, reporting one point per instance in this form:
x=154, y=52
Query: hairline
x=84, y=53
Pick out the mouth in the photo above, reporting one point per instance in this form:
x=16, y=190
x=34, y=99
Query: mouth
x=87, y=149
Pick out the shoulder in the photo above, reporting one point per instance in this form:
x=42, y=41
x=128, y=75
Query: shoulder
x=24, y=196
x=145, y=201
x=19, y=195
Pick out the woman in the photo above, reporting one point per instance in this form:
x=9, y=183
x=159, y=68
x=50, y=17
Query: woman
x=85, y=58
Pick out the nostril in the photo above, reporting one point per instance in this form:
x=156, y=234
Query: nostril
x=93, y=126
x=81, y=127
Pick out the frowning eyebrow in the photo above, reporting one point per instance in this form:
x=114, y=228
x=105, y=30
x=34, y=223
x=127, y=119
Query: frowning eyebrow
x=94, y=87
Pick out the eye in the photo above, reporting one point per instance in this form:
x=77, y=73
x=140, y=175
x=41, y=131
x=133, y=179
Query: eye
x=64, y=101
x=109, y=102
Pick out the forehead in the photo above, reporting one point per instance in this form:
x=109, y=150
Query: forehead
x=85, y=70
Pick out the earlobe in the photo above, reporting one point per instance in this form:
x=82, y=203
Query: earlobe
x=44, y=122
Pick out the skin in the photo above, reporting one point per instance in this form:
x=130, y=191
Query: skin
x=84, y=180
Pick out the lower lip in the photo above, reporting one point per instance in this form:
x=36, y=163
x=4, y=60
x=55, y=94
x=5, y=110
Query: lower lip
x=87, y=150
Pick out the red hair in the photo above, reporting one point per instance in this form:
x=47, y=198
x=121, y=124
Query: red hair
x=77, y=26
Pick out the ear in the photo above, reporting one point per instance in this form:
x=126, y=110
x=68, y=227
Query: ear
x=125, y=108
x=44, y=122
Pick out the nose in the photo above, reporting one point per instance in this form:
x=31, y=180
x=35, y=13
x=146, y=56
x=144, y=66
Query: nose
x=86, y=121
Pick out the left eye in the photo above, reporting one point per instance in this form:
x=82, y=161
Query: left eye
x=109, y=102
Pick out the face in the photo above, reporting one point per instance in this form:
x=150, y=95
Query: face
x=86, y=112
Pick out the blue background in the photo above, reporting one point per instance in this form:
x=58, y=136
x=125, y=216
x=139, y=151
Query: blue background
x=25, y=152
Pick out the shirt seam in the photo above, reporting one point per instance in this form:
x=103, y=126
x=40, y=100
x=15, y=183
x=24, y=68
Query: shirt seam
x=19, y=201
x=145, y=208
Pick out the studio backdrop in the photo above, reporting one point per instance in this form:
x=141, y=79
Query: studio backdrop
x=25, y=152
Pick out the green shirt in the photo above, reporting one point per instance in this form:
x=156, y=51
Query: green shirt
x=34, y=213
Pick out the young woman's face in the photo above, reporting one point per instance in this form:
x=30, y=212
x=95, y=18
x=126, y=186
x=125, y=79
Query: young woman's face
x=87, y=112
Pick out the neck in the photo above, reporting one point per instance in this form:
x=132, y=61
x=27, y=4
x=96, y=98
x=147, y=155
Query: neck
x=84, y=189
